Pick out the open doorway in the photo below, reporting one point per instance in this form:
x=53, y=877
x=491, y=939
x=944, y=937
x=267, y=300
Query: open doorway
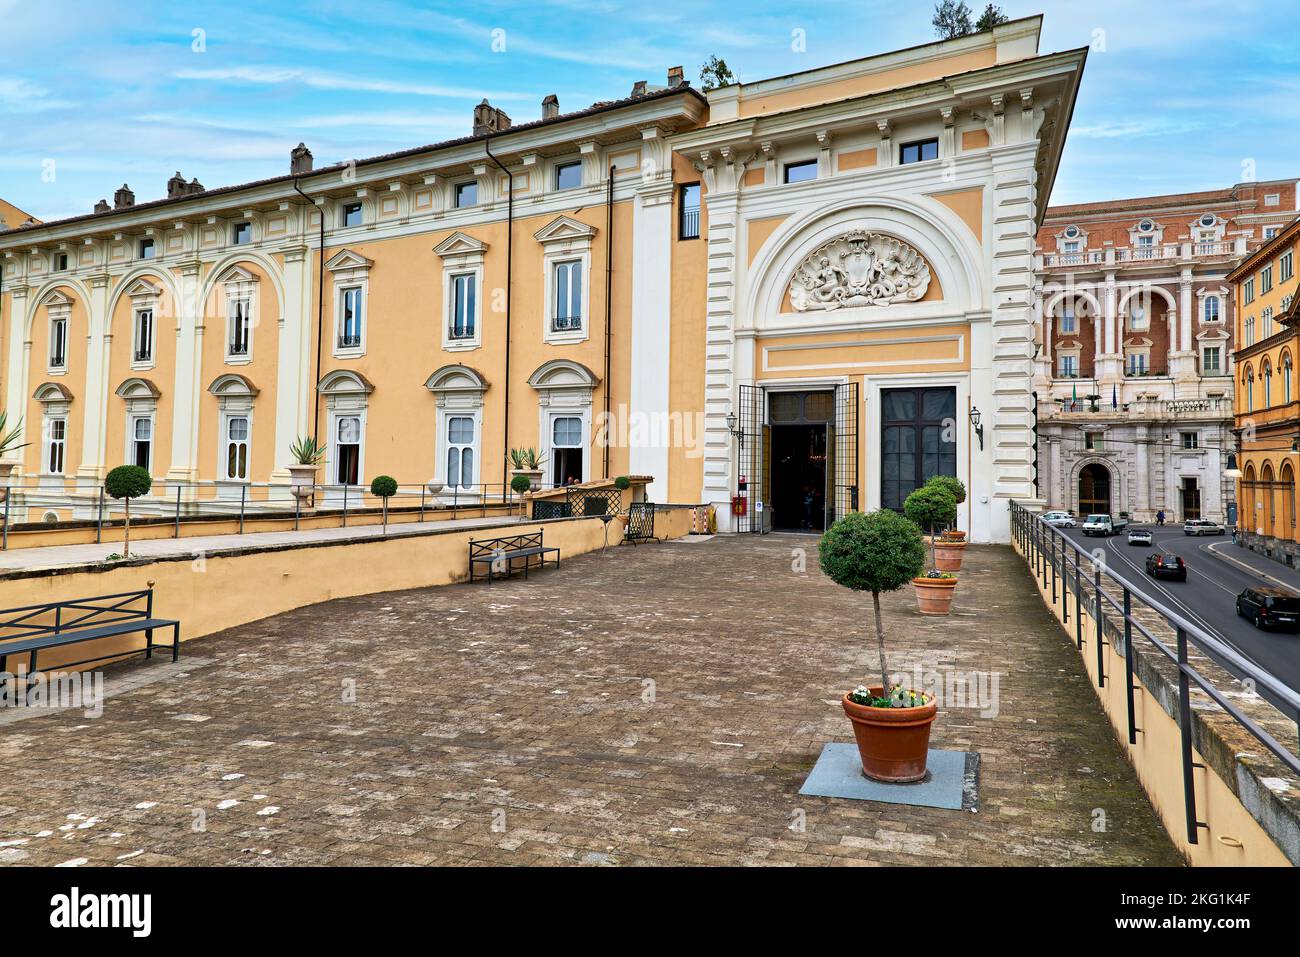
x=800, y=430
x=1094, y=490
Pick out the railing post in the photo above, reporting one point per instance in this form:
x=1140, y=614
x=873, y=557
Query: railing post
x=9, y=491
x=99, y=520
x=421, y=503
x=1185, y=734
x=177, y=533
x=297, y=511
x=243, y=493
x=1065, y=606
x=345, y=505
x=1096, y=585
x=1128, y=664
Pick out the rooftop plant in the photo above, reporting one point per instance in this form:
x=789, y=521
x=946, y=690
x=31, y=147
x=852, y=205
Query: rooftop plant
x=307, y=451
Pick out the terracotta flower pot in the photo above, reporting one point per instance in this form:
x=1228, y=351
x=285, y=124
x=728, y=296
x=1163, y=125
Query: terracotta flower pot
x=948, y=555
x=934, y=595
x=955, y=535
x=893, y=743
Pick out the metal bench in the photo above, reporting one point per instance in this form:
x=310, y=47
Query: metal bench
x=31, y=629
x=501, y=553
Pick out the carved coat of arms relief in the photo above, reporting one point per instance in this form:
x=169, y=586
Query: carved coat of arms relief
x=859, y=268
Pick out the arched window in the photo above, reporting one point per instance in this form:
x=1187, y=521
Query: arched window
x=1286, y=378
x=1266, y=372
x=1268, y=516
x=1248, y=385
x=1211, y=309
x=1248, y=519
x=1288, y=498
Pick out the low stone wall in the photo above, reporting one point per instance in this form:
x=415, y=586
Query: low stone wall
x=1249, y=800
x=1279, y=549
x=232, y=586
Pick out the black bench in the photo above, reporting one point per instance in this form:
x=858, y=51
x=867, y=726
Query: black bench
x=31, y=629
x=506, y=550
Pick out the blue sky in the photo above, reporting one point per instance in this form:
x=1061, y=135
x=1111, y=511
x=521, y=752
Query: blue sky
x=1176, y=96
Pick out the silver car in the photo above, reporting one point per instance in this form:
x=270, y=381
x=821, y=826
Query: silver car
x=1060, y=519
x=1202, y=526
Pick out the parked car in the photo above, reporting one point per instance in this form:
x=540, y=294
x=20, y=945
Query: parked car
x=1139, y=536
x=1098, y=524
x=1269, y=607
x=1202, y=526
x=1166, y=565
x=1060, y=519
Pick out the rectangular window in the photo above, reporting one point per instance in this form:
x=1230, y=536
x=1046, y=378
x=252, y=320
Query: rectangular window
x=568, y=175
x=351, y=214
x=463, y=294
x=567, y=279
x=566, y=449
x=1265, y=279
x=146, y=249
x=144, y=335
x=466, y=195
x=1248, y=330
x=688, y=212
x=58, y=343
x=1286, y=266
x=917, y=440
x=57, y=441
x=1070, y=246
x=351, y=318
x=60, y=262
x=141, y=441
x=1069, y=367
x=237, y=448
x=1068, y=321
x=241, y=234
x=347, y=450
x=1248, y=290
x=918, y=152
x=1210, y=361
x=240, y=327
x=1137, y=363
x=1092, y=441
x=800, y=172
x=460, y=451
x=1190, y=440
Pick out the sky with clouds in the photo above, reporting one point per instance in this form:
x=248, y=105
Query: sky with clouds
x=1176, y=95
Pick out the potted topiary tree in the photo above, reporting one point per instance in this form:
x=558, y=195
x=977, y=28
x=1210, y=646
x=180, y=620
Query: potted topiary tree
x=127, y=482
x=8, y=445
x=931, y=506
x=521, y=484
x=881, y=552
x=307, y=454
x=954, y=485
x=385, y=486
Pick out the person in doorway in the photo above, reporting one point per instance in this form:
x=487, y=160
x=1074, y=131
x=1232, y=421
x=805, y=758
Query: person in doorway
x=1160, y=517
x=809, y=500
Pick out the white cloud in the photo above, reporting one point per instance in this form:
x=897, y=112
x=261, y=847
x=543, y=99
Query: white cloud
x=279, y=76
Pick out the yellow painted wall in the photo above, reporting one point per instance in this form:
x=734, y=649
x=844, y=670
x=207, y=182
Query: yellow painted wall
x=73, y=379
x=162, y=375
x=688, y=338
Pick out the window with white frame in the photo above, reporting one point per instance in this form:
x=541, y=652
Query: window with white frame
x=241, y=234
x=1286, y=266
x=1248, y=330
x=347, y=449
x=1249, y=383
x=147, y=249
x=351, y=315
x=142, y=349
x=1266, y=318
x=1248, y=290
x=1069, y=365
x=1266, y=279
x=1136, y=363
x=460, y=451
x=1267, y=377
x=141, y=441
x=567, y=448
x=1189, y=440
x=568, y=175
x=236, y=451
x=466, y=194
x=351, y=214
x=56, y=435
x=464, y=306
x=566, y=280
x=1211, y=360
x=1286, y=379
x=240, y=323
x=1211, y=309
x=58, y=341
x=1069, y=322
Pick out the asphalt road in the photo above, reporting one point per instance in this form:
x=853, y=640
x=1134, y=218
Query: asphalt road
x=1208, y=597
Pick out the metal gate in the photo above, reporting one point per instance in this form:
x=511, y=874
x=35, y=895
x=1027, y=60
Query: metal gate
x=842, y=448
x=752, y=456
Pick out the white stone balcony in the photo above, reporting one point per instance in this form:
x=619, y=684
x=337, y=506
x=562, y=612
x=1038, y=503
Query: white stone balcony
x=1185, y=251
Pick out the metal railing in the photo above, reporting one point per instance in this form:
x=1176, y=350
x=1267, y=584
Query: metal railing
x=1059, y=563
x=182, y=502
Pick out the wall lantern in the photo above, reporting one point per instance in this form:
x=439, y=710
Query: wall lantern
x=979, y=429
x=1232, y=471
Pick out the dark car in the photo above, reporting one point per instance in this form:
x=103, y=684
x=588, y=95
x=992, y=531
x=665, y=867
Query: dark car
x=1269, y=607
x=1165, y=565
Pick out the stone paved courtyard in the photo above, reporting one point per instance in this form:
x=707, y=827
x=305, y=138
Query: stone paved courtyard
x=657, y=705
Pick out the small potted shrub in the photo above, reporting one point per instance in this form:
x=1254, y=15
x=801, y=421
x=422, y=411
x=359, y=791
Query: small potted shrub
x=8, y=445
x=622, y=483
x=521, y=484
x=881, y=552
x=528, y=463
x=954, y=485
x=127, y=482
x=931, y=506
x=307, y=454
x=385, y=487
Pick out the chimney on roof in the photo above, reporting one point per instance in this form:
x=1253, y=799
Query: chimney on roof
x=195, y=186
x=550, y=107
x=123, y=198
x=101, y=206
x=300, y=160
x=176, y=186
x=675, y=76
x=488, y=119
x=638, y=88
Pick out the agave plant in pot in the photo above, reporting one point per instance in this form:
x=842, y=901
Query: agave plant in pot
x=307, y=454
x=931, y=506
x=9, y=444
x=881, y=552
x=528, y=463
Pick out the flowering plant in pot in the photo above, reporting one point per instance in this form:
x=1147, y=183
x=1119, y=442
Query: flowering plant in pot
x=881, y=552
x=931, y=506
x=954, y=485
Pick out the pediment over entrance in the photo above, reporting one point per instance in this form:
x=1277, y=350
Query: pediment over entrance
x=859, y=268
